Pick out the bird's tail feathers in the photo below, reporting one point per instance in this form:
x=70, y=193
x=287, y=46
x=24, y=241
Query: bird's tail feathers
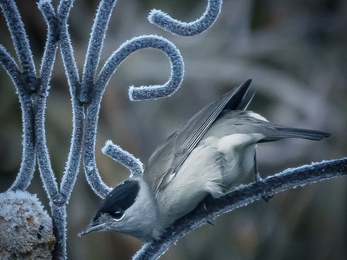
x=282, y=132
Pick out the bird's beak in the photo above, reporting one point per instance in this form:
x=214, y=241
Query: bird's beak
x=93, y=226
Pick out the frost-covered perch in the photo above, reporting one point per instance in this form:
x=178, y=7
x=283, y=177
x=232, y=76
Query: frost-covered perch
x=123, y=157
x=240, y=197
x=174, y=26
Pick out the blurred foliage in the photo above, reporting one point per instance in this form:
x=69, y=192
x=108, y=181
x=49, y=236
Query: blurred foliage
x=296, y=53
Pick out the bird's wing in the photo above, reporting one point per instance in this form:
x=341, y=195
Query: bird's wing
x=185, y=139
x=190, y=134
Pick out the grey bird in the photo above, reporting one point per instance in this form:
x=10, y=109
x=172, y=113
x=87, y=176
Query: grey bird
x=208, y=155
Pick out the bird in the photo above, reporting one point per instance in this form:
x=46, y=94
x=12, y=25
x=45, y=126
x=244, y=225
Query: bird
x=208, y=155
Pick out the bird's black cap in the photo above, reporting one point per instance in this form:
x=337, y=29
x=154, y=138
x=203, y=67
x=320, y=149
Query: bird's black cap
x=120, y=198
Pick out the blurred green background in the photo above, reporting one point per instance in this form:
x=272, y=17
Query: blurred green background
x=296, y=53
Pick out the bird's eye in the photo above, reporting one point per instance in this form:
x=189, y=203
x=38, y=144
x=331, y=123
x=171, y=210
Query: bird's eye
x=117, y=215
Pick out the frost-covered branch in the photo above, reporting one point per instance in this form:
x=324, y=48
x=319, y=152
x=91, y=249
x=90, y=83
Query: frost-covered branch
x=32, y=92
x=145, y=92
x=60, y=32
x=19, y=37
x=174, y=26
x=24, y=87
x=96, y=42
x=66, y=49
x=50, y=50
x=123, y=157
x=135, y=93
x=43, y=160
x=240, y=197
x=71, y=71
